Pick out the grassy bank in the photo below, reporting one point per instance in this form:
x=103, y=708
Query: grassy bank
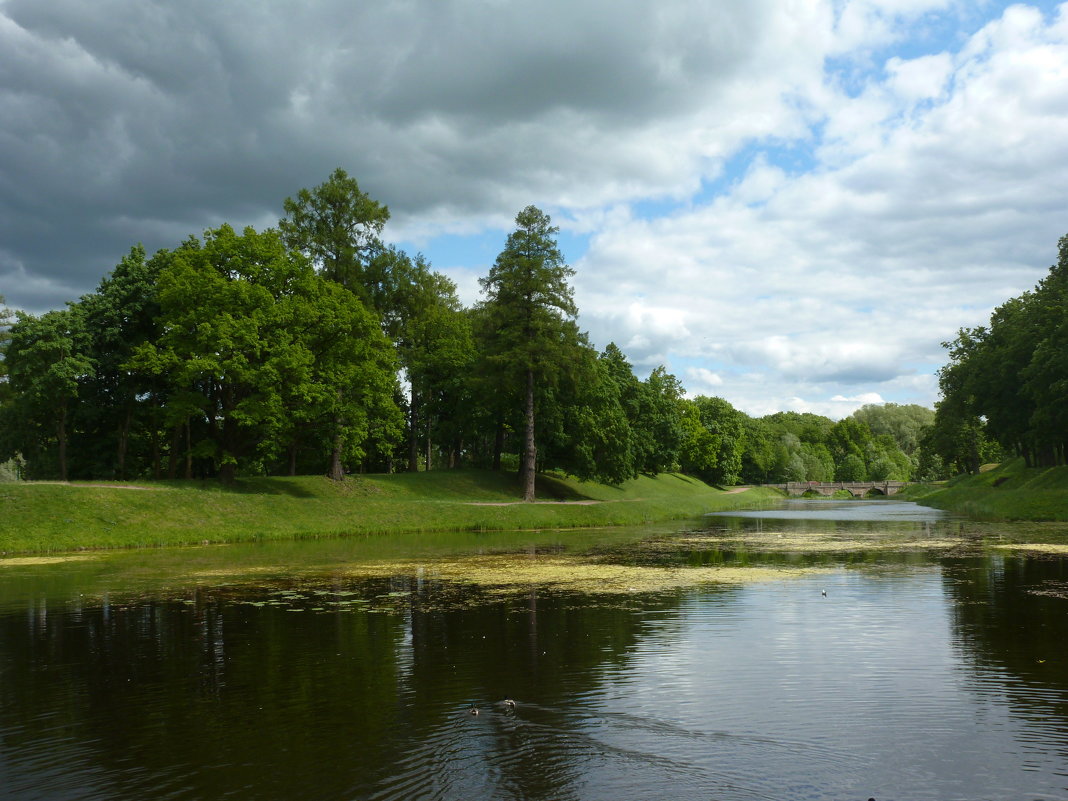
x=63, y=517
x=1009, y=491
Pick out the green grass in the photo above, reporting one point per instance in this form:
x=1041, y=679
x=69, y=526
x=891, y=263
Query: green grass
x=41, y=518
x=1009, y=491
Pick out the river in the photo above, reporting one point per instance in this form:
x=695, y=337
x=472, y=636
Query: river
x=819, y=650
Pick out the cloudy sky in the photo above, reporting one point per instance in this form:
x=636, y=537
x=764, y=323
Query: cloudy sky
x=790, y=203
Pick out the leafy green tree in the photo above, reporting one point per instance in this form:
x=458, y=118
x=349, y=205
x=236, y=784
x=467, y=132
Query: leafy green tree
x=46, y=360
x=848, y=436
x=530, y=308
x=337, y=226
x=592, y=436
x=699, y=454
x=760, y=454
x=1045, y=376
x=904, y=422
x=959, y=437
x=716, y=441
x=264, y=351
x=658, y=425
x=851, y=468
x=806, y=426
x=348, y=384
x=119, y=406
x=1008, y=381
x=819, y=466
x=436, y=348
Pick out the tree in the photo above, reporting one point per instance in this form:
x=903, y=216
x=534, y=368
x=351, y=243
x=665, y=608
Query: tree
x=658, y=425
x=46, y=358
x=531, y=311
x=260, y=351
x=851, y=468
x=348, y=386
x=715, y=440
x=337, y=226
x=1008, y=380
x=436, y=349
x=904, y=422
x=118, y=404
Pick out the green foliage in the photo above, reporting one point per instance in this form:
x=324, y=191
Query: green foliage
x=530, y=336
x=657, y=423
x=851, y=468
x=300, y=351
x=46, y=358
x=337, y=226
x=904, y=423
x=263, y=350
x=1008, y=381
x=714, y=441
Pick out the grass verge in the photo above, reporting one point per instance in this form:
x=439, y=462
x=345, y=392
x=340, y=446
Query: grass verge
x=51, y=517
x=1009, y=491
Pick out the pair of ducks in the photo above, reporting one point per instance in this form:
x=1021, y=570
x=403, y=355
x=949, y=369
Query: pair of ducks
x=507, y=703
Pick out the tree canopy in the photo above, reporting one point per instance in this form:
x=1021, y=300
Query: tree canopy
x=1004, y=387
x=317, y=347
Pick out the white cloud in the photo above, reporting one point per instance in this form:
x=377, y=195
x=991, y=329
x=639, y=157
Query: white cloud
x=921, y=218
x=893, y=184
x=702, y=381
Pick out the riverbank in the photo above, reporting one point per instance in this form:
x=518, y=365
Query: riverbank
x=51, y=517
x=1009, y=491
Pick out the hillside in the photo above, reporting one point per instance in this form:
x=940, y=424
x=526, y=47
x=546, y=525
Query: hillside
x=41, y=517
x=1009, y=491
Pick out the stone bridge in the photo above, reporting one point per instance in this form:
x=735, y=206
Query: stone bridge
x=858, y=489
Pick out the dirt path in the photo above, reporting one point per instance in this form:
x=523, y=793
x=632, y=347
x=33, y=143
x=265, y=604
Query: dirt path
x=731, y=491
x=549, y=503
x=97, y=486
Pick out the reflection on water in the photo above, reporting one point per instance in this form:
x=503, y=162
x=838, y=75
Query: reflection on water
x=860, y=510
x=921, y=674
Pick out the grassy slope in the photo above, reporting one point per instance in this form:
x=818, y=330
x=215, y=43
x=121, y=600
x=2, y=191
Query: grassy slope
x=57, y=517
x=1007, y=492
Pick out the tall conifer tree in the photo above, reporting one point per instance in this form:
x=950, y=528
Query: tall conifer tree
x=531, y=308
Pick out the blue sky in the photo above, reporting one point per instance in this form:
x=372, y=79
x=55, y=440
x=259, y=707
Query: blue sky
x=789, y=203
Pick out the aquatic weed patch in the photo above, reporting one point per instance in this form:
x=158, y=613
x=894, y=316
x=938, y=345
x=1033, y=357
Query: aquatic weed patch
x=1054, y=548
x=26, y=561
x=812, y=542
x=511, y=572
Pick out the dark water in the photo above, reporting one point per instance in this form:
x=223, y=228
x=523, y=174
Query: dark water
x=922, y=674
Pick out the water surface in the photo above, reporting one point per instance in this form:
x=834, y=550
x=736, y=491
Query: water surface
x=934, y=667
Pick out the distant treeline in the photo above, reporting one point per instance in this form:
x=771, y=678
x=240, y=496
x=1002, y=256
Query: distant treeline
x=1005, y=387
x=316, y=348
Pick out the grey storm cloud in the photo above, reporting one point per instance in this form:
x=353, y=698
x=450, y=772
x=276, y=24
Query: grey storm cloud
x=129, y=121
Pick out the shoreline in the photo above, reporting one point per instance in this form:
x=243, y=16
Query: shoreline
x=43, y=518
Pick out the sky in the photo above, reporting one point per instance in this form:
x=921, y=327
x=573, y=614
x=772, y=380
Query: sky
x=790, y=204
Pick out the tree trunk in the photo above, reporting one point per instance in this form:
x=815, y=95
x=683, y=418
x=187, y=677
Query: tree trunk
x=428, y=450
x=526, y=474
x=337, y=472
x=413, y=436
x=293, y=457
